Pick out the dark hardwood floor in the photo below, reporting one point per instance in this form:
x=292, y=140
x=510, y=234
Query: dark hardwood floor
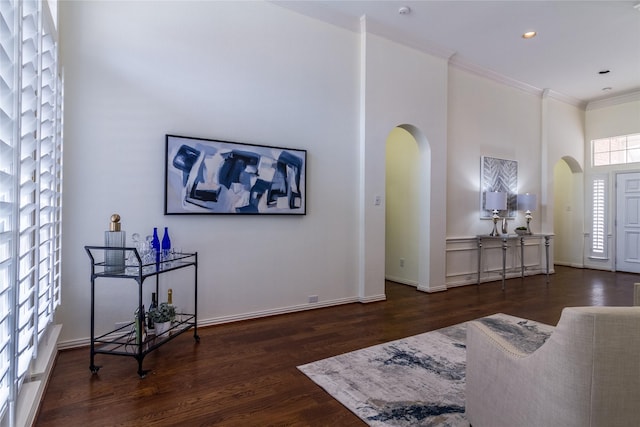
x=244, y=373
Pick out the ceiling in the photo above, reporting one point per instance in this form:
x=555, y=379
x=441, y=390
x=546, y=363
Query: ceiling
x=575, y=41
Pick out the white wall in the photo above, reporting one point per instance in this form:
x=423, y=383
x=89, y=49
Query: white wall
x=563, y=139
x=604, y=120
x=240, y=71
x=488, y=119
x=257, y=73
x=404, y=86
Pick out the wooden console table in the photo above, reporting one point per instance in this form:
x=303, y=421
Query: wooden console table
x=505, y=239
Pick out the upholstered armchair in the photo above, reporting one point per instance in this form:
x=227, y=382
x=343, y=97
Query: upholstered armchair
x=586, y=374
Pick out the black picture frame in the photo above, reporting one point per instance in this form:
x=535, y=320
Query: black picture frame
x=210, y=176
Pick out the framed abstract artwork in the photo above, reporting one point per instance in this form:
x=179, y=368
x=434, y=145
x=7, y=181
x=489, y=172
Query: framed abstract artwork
x=499, y=175
x=207, y=176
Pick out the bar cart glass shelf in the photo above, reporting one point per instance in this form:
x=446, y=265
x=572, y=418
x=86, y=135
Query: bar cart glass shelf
x=127, y=340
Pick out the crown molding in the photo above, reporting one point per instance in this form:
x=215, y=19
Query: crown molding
x=567, y=99
x=473, y=68
x=616, y=100
x=460, y=63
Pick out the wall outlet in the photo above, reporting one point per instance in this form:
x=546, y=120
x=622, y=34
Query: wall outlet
x=313, y=298
x=401, y=262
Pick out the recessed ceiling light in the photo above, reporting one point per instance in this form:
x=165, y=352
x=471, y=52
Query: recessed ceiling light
x=606, y=89
x=604, y=72
x=529, y=35
x=404, y=10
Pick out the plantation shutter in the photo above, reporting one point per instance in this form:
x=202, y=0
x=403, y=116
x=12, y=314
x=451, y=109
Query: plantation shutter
x=598, y=221
x=30, y=190
x=8, y=141
x=49, y=195
x=27, y=244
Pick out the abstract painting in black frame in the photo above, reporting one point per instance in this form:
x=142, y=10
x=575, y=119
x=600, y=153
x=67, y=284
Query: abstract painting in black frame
x=207, y=176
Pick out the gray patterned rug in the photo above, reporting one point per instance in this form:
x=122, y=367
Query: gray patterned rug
x=415, y=381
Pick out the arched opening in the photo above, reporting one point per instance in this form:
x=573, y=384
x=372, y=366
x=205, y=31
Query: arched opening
x=568, y=212
x=407, y=212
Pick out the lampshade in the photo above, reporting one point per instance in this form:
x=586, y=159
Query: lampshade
x=527, y=202
x=495, y=200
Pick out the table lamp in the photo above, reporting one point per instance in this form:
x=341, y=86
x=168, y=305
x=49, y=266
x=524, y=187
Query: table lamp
x=495, y=201
x=527, y=203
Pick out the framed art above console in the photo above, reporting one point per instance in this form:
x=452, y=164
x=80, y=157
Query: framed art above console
x=499, y=175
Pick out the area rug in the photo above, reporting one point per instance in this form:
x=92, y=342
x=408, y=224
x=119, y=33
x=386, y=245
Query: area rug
x=415, y=381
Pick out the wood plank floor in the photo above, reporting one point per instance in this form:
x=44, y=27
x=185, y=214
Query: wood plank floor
x=244, y=373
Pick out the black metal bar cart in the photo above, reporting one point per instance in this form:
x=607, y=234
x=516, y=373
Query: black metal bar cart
x=129, y=339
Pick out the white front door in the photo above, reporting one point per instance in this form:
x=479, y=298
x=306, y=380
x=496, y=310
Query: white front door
x=628, y=222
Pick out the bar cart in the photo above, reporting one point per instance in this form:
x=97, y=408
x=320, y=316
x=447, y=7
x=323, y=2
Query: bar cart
x=129, y=339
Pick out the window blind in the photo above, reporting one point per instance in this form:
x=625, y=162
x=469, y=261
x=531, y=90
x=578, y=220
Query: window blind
x=30, y=190
x=598, y=227
x=8, y=154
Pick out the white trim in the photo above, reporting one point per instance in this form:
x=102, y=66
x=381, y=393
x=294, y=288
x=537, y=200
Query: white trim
x=567, y=99
x=251, y=316
x=508, y=81
x=432, y=289
x=569, y=264
x=616, y=100
x=402, y=281
x=464, y=65
x=373, y=298
x=32, y=391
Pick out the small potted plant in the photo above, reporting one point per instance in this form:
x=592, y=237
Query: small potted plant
x=521, y=231
x=162, y=316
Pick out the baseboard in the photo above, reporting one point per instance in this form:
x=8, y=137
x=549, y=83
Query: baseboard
x=432, y=289
x=569, y=264
x=401, y=281
x=275, y=312
x=82, y=342
x=373, y=298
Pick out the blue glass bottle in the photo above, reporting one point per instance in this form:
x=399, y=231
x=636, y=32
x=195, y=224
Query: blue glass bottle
x=166, y=244
x=155, y=244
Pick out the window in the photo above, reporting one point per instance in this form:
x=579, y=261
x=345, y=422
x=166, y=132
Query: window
x=616, y=150
x=30, y=189
x=599, y=219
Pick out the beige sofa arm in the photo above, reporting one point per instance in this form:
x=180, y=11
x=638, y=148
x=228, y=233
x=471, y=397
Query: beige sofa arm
x=586, y=374
x=491, y=363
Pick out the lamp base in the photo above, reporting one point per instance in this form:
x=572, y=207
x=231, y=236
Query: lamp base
x=495, y=231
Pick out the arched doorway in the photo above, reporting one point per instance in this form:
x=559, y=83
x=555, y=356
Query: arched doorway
x=407, y=212
x=568, y=212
